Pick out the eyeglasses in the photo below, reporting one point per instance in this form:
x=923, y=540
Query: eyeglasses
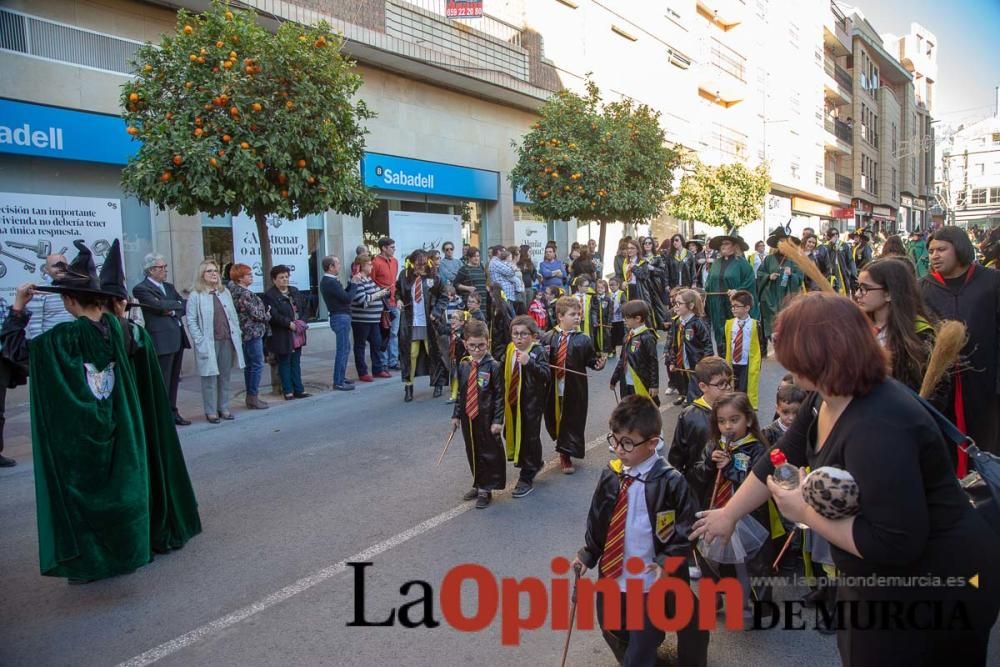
x=520, y=334
x=722, y=384
x=475, y=347
x=448, y=249
x=864, y=289
x=159, y=266
x=625, y=443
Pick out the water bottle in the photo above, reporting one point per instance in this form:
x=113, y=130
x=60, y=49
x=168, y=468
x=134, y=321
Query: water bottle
x=785, y=474
x=784, y=279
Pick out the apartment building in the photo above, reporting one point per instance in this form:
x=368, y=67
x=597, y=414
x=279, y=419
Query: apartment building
x=968, y=173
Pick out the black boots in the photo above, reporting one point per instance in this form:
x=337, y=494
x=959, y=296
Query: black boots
x=408, y=393
x=438, y=391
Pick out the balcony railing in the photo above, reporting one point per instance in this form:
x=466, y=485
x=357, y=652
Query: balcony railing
x=838, y=16
x=839, y=128
x=727, y=60
x=490, y=25
x=842, y=184
x=840, y=75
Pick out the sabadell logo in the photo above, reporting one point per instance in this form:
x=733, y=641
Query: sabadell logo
x=418, y=180
x=51, y=137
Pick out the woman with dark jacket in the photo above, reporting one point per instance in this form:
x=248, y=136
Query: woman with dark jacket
x=679, y=263
x=418, y=343
x=254, y=320
x=910, y=520
x=288, y=331
x=584, y=266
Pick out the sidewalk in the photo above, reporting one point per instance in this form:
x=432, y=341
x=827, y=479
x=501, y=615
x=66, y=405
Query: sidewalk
x=317, y=376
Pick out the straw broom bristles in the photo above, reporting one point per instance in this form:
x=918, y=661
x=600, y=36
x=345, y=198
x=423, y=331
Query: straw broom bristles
x=947, y=345
x=794, y=253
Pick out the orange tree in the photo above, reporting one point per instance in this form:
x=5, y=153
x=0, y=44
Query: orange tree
x=595, y=162
x=232, y=117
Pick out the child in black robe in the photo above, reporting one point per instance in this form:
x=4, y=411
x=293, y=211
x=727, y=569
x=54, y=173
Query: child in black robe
x=526, y=388
x=638, y=370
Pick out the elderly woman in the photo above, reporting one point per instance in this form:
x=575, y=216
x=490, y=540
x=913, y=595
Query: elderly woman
x=912, y=517
x=728, y=274
x=216, y=338
x=254, y=318
x=288, y=331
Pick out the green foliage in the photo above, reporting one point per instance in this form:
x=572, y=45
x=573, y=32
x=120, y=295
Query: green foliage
x=727, y=195
x=232, y=117
x=593, y=161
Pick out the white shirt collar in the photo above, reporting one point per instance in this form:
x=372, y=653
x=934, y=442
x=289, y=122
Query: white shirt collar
x=642, y=469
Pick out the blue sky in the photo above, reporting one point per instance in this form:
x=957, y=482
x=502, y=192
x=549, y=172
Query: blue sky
x=968, y=33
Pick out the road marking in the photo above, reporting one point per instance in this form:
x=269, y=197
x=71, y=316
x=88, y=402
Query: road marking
x=305, y=583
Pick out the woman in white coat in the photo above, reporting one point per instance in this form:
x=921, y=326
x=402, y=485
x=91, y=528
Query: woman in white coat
x=217, y=341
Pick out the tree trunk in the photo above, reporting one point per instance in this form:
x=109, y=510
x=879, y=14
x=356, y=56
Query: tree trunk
x=264, y=239
x=602, y=236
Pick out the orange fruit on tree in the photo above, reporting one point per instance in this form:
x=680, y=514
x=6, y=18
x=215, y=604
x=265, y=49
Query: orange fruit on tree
x=193, y=57
x=302, y=38
x=223, y=98
x=256, y=106
x=248, y=69
x=148, y=68
x=260, y=165
x=212, y=161
x=165, y=176
x=177, y=160
x=226, y=138
x=282, y=179
x=311, y=180
x=244, y=145
x=170, y=115
x=289, y=104
x=219, y=44
x=229, y=16
x=222, y=153
x=198, y=121
x=132, y=130
x=227, y=64
x=302, y=164
x=198, y=131
x=201, y=60
x=284, y=193
x=188, y=30
x=232, y=55
x=233, y=111
x=188, y=85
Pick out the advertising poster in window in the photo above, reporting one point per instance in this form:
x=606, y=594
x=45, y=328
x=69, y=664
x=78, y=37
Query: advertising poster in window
x=289, y=246
x=33, y=226
x=464, y=9
x=428, y=231
x=532, y=234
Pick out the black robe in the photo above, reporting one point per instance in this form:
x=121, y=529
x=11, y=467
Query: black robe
x=566, y=419
x=523, y=418
x=600, y=305
x=838, y=263
x=483, y=449
x=500, y=319
x=862, y=255
x=639, y=354
x=696, y=339
x=650, y=286
x=691, y=435
x=975, y=392
x=680, y=271
x=429, y=360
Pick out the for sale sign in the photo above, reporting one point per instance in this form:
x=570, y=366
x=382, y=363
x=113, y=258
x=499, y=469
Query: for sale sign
x=464, y=9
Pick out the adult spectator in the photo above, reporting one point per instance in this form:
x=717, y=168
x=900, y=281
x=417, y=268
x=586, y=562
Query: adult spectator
x=916, y=250
x=472, y=278
x=552, y=270
x=449, y=266
x=8, y=373
x=254, y=318
x=366, y=316
x=519, y=303
x=835, y=259
x=596, y=258
x=959, y=289
x=162, y=310
x=47, y=309
x=583, y=266
x=912, y=517
x=385, y=270
x=502, y=273
x=757, y=256
x=574, y=255
x=338, y=304
x=215, y=333
x=529, y=274
x=621, y=257
x=359, y=252
x=288, y=331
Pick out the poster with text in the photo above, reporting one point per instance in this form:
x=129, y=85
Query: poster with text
x=427, y=231
x=33, y=226
x=289, y=246
x=534, y=235
x=464, y=9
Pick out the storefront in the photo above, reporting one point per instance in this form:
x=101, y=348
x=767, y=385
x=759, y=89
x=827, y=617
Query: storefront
x=811, y=213
x=61, y=181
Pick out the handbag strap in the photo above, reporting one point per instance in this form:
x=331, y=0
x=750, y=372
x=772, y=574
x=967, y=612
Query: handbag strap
x=948, y=429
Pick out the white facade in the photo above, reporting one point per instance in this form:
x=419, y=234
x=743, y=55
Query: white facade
x=968, y=174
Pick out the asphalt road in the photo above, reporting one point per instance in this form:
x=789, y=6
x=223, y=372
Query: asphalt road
x=287, y=498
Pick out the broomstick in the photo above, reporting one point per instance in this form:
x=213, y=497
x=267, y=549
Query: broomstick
x=572, y=615
x=809, y=268
x=451, y=437
x=781, y=554
x=947, y=345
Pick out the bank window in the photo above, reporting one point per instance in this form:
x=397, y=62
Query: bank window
x=375, y=225
x=978, y=196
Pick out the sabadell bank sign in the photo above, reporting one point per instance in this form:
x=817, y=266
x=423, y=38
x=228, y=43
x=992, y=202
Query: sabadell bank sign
x=65, y=134
x=391, y=172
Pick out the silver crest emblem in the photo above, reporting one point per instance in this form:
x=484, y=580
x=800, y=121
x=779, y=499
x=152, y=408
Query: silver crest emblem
x=101, y=383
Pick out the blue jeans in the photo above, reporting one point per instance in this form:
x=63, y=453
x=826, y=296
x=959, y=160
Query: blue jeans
x=253, y=357
x=290, y=371
x=391, y=355
x=367, y=332
x=341, y=325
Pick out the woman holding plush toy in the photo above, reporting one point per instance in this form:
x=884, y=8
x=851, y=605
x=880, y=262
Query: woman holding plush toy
x=883, y=492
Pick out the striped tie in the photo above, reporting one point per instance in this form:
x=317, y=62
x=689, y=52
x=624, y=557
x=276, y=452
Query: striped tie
x=679, y=360
x=418, y=291
x=722, y=494
x=614, y=547
x=561, y=356
x=472, y=392
x=515, y=386
x=738, y=344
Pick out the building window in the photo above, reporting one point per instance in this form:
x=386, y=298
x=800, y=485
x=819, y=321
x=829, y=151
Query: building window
x=894, y=183
x=995, y=195
x=979, y=169
x=894, y=145
x=978, y=196
x=996, y=138
x=961, y=198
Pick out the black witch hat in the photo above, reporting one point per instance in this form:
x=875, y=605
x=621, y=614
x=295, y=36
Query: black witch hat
x=80, y=276
x=730, y=236
x=781, y=233
x=698, y=240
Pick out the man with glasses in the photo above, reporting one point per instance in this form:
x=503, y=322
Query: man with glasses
x=162, y=309
x=449, y=266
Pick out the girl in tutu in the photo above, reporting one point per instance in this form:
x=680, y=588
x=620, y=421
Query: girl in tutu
x=735, y=445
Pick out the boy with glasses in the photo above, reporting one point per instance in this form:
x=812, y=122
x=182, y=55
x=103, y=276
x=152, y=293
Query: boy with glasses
x=479, y=411
x=649, y=520
x=692, y=432
x=745, y=346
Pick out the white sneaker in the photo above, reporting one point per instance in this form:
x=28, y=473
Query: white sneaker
x=694, y=572
x=671, y=390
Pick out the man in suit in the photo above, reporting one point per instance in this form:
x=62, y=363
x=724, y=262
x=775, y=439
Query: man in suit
x=162, y=308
